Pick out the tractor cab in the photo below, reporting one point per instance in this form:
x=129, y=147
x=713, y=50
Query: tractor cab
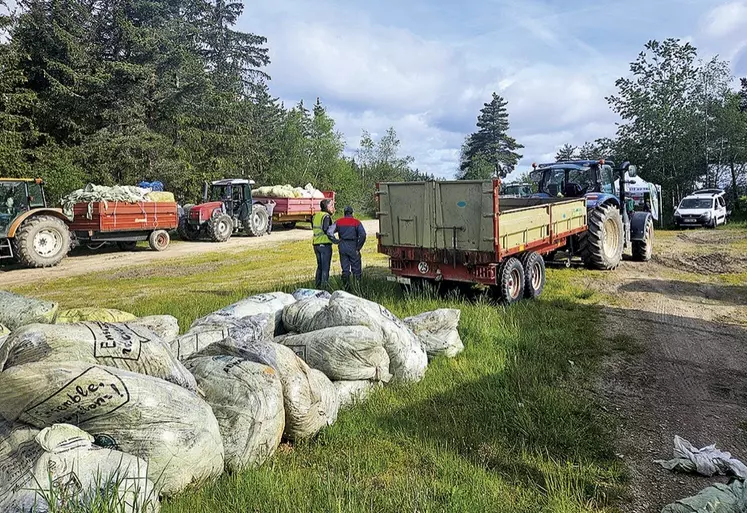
x=235, y=194
x=574, y=179
x=18, y=196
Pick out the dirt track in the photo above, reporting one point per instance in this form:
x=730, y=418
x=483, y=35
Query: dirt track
x=83, y=261
x=679, y=366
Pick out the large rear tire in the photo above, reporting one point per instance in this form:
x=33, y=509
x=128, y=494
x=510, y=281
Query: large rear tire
x=41, y=241
x=644, y=249
x=534, y=274
x=186, y=231
x=220, y=228
x=256, y=223
x=510, y=286
x=601, y=246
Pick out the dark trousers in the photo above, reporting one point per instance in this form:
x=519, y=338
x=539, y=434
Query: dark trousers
x=350, y=260
x=323, y=261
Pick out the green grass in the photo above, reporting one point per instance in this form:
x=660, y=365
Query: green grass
x=507, y=426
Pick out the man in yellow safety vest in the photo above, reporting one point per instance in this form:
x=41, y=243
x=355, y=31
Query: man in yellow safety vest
x=322, y=242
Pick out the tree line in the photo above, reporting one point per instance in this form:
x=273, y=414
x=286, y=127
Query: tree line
x=681, y=121
x=119, y=91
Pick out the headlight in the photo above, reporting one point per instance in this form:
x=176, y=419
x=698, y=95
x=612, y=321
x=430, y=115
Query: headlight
x=707, y=214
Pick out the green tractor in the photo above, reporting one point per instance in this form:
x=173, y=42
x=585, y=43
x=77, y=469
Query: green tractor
x=30, y=232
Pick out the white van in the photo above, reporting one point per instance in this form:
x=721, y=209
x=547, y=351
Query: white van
x=705, y=207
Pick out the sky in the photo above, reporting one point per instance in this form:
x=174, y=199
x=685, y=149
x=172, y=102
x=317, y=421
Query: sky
x=426, y=67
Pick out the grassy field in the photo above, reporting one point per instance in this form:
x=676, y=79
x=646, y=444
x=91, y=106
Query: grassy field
x=507, y=426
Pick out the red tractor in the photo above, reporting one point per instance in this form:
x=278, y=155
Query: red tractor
x=227, y=208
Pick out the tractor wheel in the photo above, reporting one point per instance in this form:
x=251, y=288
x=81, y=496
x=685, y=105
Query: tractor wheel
x=534, y=274
x=186, y=231
x=643, y=249
x=129, y=245
x=601, y=246
x=220, y=228
x=159, y=240
x=42, y=241
x=256, y=224
x=510, y=287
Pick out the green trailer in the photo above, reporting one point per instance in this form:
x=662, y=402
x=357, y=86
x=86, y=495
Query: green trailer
x=462, y=231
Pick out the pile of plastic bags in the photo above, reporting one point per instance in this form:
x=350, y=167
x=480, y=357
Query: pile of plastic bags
x=100, y=193
x=82, y=388
x=288, y=191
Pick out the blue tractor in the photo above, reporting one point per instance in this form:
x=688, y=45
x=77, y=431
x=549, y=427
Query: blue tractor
x=614, y=224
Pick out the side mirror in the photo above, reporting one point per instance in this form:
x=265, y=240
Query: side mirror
x=632, y=171
x=501, y=170
x=535, y=176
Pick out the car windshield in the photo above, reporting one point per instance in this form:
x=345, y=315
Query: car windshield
x=518, y=190
x=696, y=203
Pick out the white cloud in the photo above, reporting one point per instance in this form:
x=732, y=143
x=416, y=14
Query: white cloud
x=725, y=20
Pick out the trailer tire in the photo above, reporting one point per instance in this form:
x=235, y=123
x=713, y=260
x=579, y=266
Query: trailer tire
x=534, y=274
x=510, y=281
x=129, y=245
x=220, y=228
x=644, y=249
x=41, y=241
x=601, y=246
x=186, y=231
x=159, y=240
x=290, y=225
x=257, y=222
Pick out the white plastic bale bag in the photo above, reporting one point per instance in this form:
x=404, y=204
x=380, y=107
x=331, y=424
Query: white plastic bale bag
x=408, y=359
x=165, y=326
x=17, y=311
x=343, y=353
x=18, y=453
x=306, y=408
x=93, y=314
x=4, y=333
x=271, y=303
x=171, y=428
x=122, y=345
x=217, y=327
x=300, y=294
x=247, y=400
x=437, y=331
x=299, y=316
x=328, y=394
x=65, y=457
x=350, y=393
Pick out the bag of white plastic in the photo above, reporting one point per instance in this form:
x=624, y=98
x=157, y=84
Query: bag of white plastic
x=300, y=294
x=93, y=314
x=343, y=353
x=350, y=393
x=165, y=326
x=166, y=425
x=17, y=311
x=437, y=331
x=4, y=333
x=122, y=345
x=306, y=409
x=218, y=326
x=299, y=316
x=60, y=465
x=408, y=359
x=247, y=400
x=270, y=303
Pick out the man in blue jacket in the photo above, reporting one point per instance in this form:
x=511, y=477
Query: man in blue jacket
x=352, y=237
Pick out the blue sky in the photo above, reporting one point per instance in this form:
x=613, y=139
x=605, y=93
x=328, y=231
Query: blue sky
x=426, y=67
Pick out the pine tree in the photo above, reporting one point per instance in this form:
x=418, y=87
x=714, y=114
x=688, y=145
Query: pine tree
x=566, y=152
x=489, y=149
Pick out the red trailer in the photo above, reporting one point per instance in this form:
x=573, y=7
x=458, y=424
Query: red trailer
x=289, y=211
x=125, y=224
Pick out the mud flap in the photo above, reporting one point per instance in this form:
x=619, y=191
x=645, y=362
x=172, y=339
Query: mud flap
x=638, y=225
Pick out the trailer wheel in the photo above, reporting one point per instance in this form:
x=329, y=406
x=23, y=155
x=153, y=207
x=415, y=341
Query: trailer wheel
x=510, y=281
x=534, y=274
x=42, y=241
x=644, y=249
x=220, y=228
x=159, y=240
x=601, y=246
x=290, y=225
x=256, y=224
